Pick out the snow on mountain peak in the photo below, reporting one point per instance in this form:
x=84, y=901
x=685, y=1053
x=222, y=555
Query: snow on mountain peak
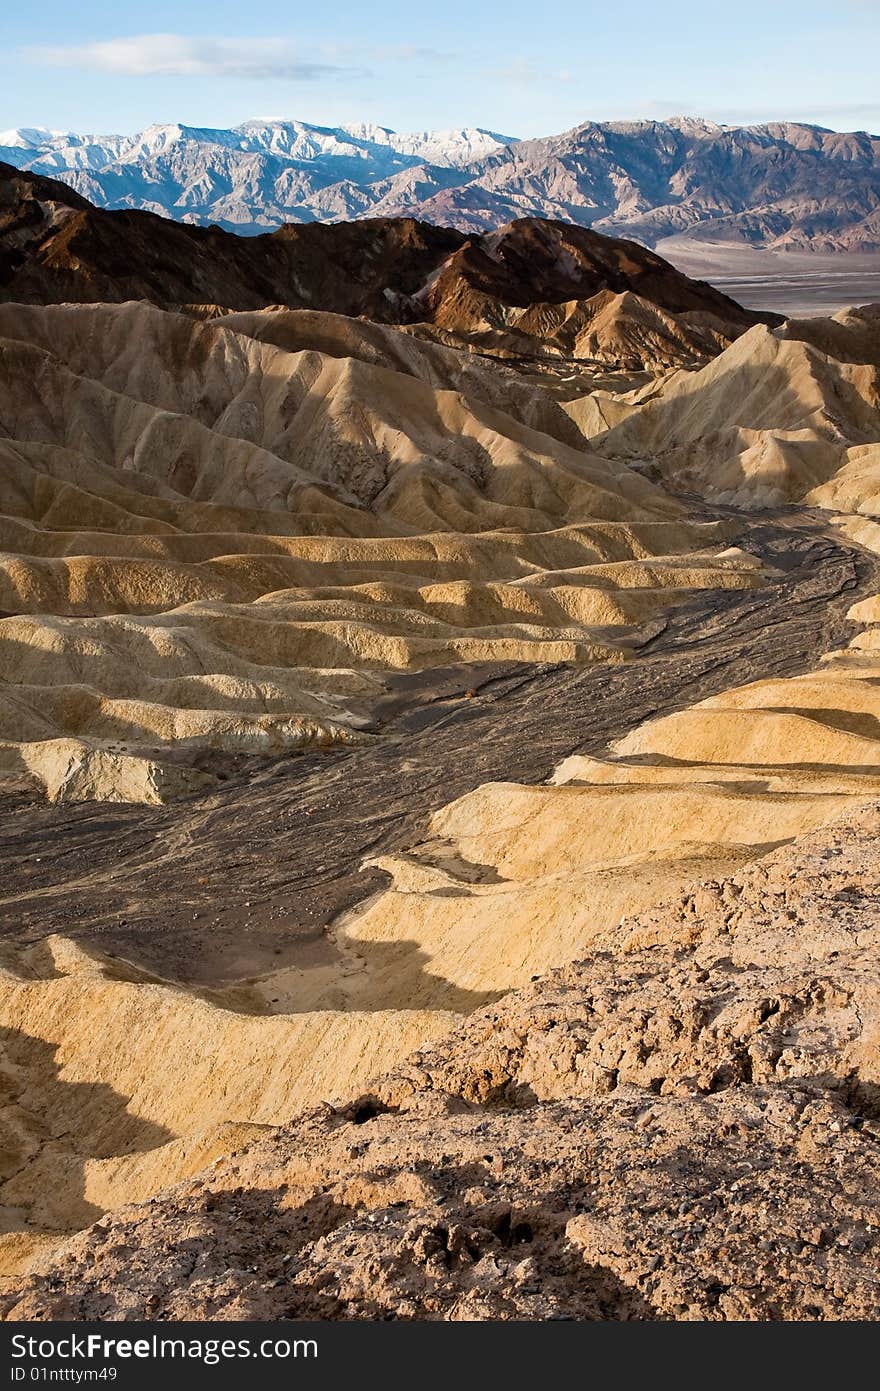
x=30, y=137
x=652, y=178
x=693, y=125
x=255, y=175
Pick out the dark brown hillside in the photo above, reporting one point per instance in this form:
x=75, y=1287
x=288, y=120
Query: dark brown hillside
x=55, y=247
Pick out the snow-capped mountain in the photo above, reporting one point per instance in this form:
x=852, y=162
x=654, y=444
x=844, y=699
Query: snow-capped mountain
x=249, y=178
x=782, y=184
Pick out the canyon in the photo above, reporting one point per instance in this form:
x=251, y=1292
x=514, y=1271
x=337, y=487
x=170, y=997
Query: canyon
x=440, y=770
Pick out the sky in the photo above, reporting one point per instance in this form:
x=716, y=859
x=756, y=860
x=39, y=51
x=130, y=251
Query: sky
x=518, y=67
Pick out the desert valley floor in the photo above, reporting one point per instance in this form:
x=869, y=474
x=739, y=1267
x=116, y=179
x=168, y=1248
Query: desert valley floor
x=804, y=284
x=439, y=777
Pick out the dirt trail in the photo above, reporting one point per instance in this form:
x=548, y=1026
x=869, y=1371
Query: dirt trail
x=223, y=886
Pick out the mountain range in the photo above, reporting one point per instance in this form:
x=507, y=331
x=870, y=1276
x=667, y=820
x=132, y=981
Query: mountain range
x=782, y=185
x=533, y=286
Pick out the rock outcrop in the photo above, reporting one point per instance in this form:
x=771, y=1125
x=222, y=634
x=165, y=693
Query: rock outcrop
x=55, y=247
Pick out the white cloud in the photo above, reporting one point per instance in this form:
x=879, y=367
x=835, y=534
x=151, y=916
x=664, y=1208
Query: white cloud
x=173, y=55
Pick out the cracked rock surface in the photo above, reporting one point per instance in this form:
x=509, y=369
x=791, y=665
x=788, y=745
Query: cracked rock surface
x=685, y=1126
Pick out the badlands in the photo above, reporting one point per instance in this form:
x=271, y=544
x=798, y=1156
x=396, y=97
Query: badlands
x=440, y=771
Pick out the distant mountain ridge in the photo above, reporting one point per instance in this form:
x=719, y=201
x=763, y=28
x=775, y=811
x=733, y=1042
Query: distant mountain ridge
x=782, y=185
x=252, y=178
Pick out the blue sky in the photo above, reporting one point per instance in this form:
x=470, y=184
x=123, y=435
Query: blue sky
x=518, y=67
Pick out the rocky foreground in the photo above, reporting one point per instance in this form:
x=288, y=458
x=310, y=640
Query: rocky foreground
x=685, y=1126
